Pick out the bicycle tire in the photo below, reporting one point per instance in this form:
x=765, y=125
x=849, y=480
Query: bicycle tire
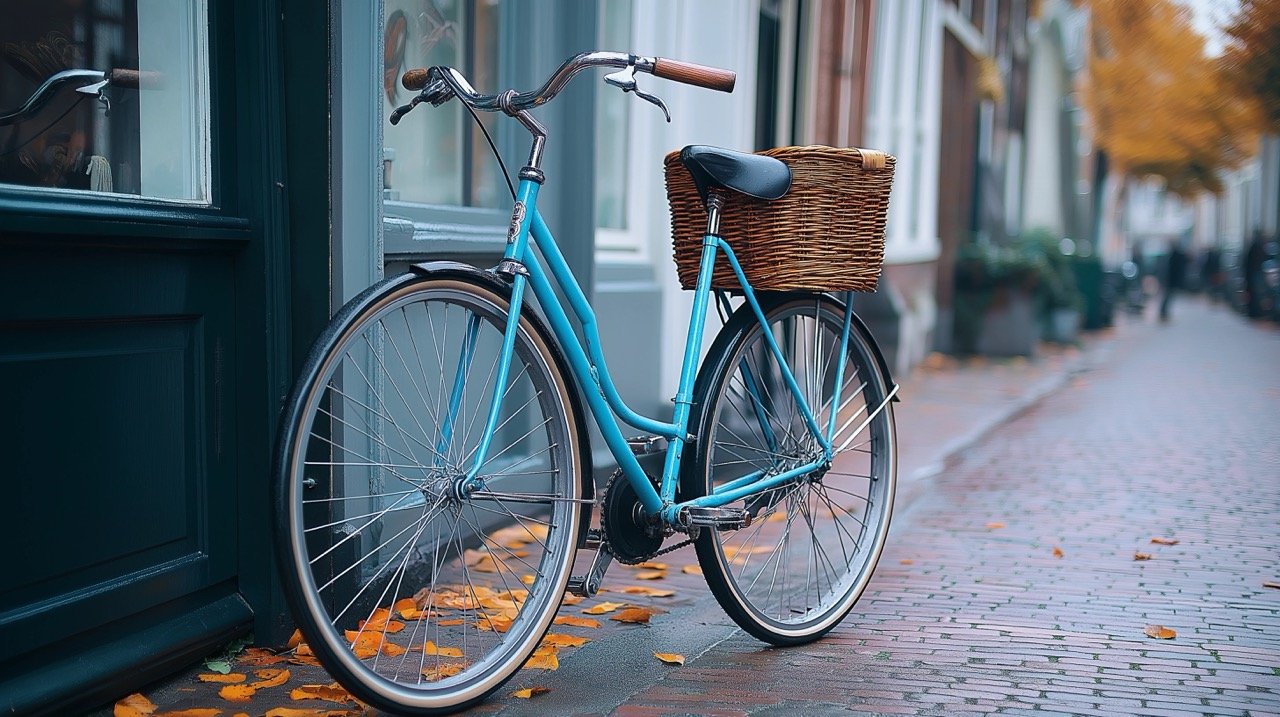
x=338, y=436
x=848, y=506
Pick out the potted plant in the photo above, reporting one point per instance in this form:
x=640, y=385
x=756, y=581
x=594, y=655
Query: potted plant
x=997, y=301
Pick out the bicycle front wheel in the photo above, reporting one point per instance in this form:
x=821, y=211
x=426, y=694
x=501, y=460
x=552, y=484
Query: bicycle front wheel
x=419, y=593
x=799, y=567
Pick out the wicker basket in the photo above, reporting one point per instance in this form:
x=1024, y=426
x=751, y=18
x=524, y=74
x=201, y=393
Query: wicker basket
x=826, y=234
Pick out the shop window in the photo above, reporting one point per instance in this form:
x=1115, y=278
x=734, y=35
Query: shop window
x=439, y=157
x=152, y=141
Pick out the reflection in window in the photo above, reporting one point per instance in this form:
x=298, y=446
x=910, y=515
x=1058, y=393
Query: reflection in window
x=151, y=141
x=438, y=156
x=612, y=119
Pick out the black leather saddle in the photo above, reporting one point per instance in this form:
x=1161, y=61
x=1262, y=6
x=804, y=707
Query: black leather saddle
x=754, y=175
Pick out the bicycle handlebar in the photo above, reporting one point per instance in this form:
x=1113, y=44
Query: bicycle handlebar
x=90, y=81
x=510, y=101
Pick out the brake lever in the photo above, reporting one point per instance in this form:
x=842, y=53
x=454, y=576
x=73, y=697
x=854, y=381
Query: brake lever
x=437, y=92
x=625, y=79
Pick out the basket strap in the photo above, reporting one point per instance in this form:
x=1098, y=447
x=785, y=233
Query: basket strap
x=872, y=159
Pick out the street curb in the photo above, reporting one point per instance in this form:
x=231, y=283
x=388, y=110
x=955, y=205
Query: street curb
x=918, y=483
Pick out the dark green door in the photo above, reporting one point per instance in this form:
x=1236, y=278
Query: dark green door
x=143, y=342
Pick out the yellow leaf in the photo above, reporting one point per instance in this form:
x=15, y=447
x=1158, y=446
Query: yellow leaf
x=650, y=565
x=305, y=712
x=1057, y=552
x=135, y=705
x=575, y=621
x=448, y=669
x=303, y=650
x=670, y=658
x=529, y=692
x=407, y=605
x=994, y=526
x=527, y=579
x=295, y=639
x=258, y=657
x=635, y=615
x=391, y=649
x=493, y=623
x=1164, y=541
x=237, y=693
x=430, y=648
x=195, y=712
x=230, y=679
x=450, y=622
x=332, y=693
x=571, y=599
x=602, y=608
x=555, y=639
x=1160, y=632
x=1141, y=556
x=543, y=659
x=642, y=590
x=651, y=575
x=691, y=570
x=905, y=561
x=270, y=677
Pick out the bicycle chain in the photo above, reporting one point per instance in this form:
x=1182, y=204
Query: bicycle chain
x=604, y=531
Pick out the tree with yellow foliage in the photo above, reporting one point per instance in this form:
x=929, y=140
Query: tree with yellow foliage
x=1252, y=58
x=1159, y=106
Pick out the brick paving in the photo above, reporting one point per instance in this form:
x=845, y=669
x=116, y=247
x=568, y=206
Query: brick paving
x=1174, y=434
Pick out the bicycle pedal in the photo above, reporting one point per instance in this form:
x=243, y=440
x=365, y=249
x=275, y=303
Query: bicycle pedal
x=646, y=445
x=715, y=518
x=588, y=585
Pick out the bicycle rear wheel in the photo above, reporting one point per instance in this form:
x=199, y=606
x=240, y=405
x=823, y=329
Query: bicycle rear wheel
x=418, y=595
x=798, y=569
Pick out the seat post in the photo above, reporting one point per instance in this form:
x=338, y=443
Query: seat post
x=714, y=202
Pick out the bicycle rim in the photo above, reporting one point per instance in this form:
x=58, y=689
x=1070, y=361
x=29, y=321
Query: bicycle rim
x=800, y=566
x=418, y=596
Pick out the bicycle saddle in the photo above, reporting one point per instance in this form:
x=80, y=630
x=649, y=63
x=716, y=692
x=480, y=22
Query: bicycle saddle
x=751, y=174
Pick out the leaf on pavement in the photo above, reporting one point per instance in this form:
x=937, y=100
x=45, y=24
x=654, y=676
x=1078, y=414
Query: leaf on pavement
x=575, y=621
x=543, y=658
x=691, y=570
x=1057, y=552
x=307, y=712
x=634, y=615
x=135, y=705
x=270, y=677
x=994, y=525
x=332, y=692
x=602, y=608
x=258, y=657
x=650, y=592
x=651, y=575
x=195, y=712
x=571, y=599
x=905, y=561
x=1141, y=556
x=557, y=639
x=237, y=693
x=1164, y=541
x=1160, y=632
x=229, y=679
x=530, y=692
x=430, y=648
x=295, y=639
x=650, y=565
x=448, y=669
x=670, y=658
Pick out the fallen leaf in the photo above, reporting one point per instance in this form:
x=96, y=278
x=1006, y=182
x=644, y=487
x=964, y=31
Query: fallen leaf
x=602, y=608
x=304, y=650
x=270, y=677
x=642, y=590
x=407, y=605
x=391, y=649
x=493, y=623
x=237, y=693
x=994, y=526
x=1270, y=584
x=527, y=579
x=571, y=599
x=1164, y=541
x=258, y=657
x=776, y=516
x=1160, y=632
x=332, y=692
x=575, y=621
x=905, y=561
x=691, y=570
x=650, y=565
x=1057, y=552
x=634, y=615
x=651, y=575
x=306, y=712
x=196, y=712
x=556, y=639
x=529, y=692
x=295, y=639
x=230, y=679
x=430, y=648
x=543, y=658
x=450, y=622
x=307, y=660
x=448, y=669
x=1141, y=556
x=670, y=658
x=135, y=705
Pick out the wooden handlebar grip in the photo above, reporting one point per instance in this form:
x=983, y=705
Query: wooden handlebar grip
x=134, y=79
x=712, y=78
x=414, y=79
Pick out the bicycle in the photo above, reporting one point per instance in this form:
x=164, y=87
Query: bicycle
x=433, y=467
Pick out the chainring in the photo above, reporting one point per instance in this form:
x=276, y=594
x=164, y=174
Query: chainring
x=627, y=536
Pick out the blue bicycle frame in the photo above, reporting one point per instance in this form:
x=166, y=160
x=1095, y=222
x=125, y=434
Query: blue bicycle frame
x=588, y=366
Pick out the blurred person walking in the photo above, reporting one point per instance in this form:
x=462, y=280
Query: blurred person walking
x=1253, y=283
x=1175, y=271
x=1211, y=275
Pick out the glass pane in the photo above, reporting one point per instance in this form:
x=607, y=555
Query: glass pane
x=612, y=119
x=151, y=140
